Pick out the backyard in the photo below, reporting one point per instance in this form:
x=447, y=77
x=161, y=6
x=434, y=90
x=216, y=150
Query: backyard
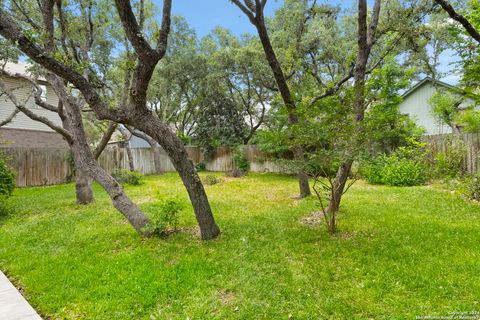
x=399, y=253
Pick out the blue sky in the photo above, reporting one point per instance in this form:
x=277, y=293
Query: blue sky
x=204, y=15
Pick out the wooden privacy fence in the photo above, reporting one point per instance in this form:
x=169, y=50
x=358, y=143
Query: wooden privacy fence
x=471, y=143
x=39, y=167
x=220, y=161
x=44, y=166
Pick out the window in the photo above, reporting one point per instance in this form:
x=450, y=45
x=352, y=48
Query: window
x=43, y=95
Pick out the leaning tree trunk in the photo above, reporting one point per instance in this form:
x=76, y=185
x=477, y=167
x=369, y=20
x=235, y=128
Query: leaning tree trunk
x=86, y=163
x=83, y=183
x=119, y=199
x=173, y=146
x=83, y=188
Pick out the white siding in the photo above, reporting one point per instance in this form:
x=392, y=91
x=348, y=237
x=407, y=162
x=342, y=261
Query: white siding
x=21, y=89
x=417, y=107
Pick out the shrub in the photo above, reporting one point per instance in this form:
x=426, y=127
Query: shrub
x=235, y=173
x=403, y=172
x=240, y=160
x=449, y=164
x=405, y=167
x=200, y=167
x=210, y=180
x=125, y=176
x=474, y=188
x=165, y=218
x=7, y=180
x=372, y=172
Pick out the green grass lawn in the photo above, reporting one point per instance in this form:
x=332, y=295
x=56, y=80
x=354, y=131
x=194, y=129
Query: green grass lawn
x=400, y=253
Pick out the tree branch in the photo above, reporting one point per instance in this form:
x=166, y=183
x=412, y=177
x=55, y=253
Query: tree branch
x=105, y=139
x=372, y=29
x=10, y=117
x=10, y=30
x=459, y=18
x=34, y=116
x=245, y=10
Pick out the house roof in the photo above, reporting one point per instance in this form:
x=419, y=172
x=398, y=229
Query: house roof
x=19, y=68
x=428, y=80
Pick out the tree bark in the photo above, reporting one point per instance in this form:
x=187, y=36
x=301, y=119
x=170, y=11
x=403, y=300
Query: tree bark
x=178, y=155
x=365, y=41
x=135, y=113
x=131, y=165
x=83, y=183
x=256, y=15
x=461, y=19
x=83, y=188
x=85, y=160
x=339, y=187
x=303, y=184
x=157, y=160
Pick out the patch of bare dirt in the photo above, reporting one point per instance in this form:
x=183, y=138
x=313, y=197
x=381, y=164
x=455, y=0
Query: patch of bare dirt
x=193, y=230
x=226, y=297
x=312, y=220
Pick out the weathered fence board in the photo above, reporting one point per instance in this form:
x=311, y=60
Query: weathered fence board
x=39, y=167
x=42, y=166
x=471, y=141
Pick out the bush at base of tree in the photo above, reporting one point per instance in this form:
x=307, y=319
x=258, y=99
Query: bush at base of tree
x=165, y=218
x=125, y=176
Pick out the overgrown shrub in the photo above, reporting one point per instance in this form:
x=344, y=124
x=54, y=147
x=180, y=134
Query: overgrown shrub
x=7, y=180
x=449, y=163
x=373, y=171
x=210, y=180
x=405, y=167
x=240, y=160
x=200, y=167
x=474, y=188
x=166, y=217
x=404, y=172
x=7, y=185
x=235, y=173
x=125, y=176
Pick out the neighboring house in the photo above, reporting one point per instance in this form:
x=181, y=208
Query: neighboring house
x=416, y=105
x=22, y=131
x=136, y=142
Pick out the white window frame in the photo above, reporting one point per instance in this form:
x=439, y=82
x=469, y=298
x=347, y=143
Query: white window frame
x=43, y=94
